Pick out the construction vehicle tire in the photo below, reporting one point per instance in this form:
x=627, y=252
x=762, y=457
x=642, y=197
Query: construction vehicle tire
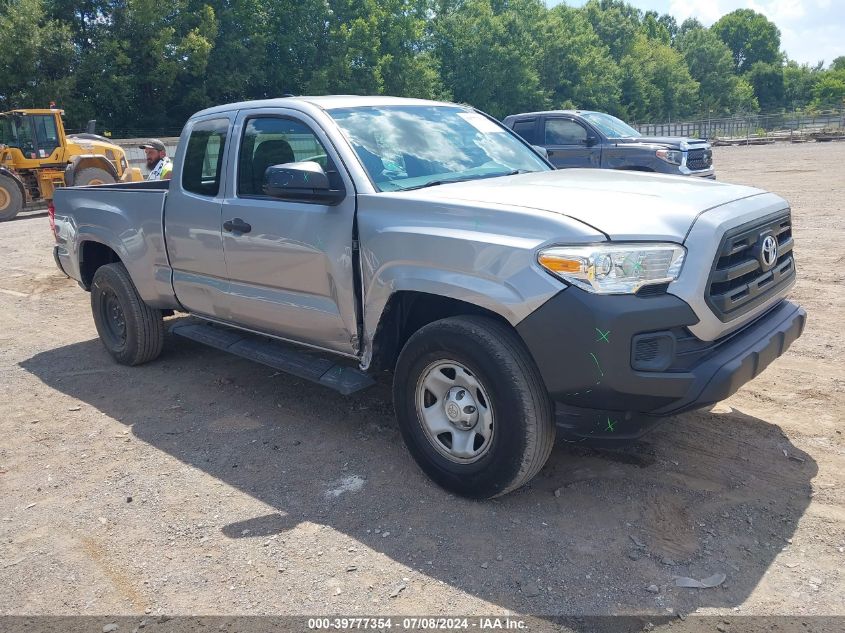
x=92, y=176
x=11, y=200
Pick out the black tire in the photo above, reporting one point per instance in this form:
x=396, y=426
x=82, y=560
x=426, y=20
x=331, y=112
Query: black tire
x=92, y=176
x=11, y=199
x=130, y=330
x=522, y=422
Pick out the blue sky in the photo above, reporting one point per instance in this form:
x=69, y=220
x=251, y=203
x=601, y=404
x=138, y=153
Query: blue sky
x=811, y=30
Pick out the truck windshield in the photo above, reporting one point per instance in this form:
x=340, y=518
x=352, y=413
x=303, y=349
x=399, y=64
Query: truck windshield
x=409, y=147
x=610, y=126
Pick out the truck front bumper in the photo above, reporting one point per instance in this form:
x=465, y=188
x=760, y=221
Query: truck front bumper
x=701, y=173
x=613, y=363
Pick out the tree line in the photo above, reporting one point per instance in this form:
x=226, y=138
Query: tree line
x=148, y=65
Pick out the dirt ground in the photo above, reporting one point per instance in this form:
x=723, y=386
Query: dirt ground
x=206, y=484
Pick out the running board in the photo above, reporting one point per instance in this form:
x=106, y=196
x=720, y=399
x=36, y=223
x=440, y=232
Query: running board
x=277, y=355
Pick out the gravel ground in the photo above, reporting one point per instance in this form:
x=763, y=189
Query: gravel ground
x=203, y=483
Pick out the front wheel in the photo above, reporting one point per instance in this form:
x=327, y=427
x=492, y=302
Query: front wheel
x=92, y=176
x=472, y=407
x=130, y=330
x=11, y=200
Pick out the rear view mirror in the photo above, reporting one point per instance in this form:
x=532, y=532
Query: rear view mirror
x=304, y=181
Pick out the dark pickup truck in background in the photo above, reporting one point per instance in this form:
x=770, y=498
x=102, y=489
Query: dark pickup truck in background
x=580, y=138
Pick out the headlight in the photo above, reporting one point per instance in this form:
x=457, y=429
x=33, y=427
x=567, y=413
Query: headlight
x=670, y=156
x=614, y=268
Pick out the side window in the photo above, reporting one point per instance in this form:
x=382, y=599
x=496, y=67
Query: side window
x=525, y=128
x=46, y=134
x=565, y=132
x=204, y=157
x=269, y=141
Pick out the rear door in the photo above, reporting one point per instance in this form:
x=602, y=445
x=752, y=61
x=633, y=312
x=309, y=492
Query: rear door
x=192, y=224
x=291, y=270
x=565, y=139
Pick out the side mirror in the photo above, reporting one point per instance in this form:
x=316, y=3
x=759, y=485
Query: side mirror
x=591, y=140
x=301, y=182
x=542, y=151
x=91, y=127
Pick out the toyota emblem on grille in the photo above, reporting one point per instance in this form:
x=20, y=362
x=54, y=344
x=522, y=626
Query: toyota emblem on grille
x=769, y=252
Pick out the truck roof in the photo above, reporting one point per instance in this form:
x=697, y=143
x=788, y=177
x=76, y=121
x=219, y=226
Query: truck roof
x=526, y=114
x=326, y=102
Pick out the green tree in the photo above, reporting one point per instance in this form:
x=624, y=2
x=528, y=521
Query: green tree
x=690, y=24
x=576, y=68
x=711, y=65
x=654, y=29
x=798, y=84
x=616, y=23
x=656, y=83
x=767, y=81
x=838, y=63
x=829, y=91
x=375, y=47
x=489, y=56
x=36, y=57
x=751, y=37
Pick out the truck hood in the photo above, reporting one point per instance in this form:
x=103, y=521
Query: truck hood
x=669, y=142
x=623, y=205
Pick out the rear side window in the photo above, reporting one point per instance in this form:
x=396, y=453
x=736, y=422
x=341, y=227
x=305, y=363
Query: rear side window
x=204, y=157
x=525, y=129
x=272, y=141
x=565, y=132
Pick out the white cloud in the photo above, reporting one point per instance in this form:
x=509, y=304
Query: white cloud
x=811, y=30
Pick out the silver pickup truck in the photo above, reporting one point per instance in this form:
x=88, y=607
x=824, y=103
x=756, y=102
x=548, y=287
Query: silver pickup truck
x=337, y=237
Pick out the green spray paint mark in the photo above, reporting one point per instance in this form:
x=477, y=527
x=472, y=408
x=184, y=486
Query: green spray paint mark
x=611, y=425
x=603, y=336
x=597, y=364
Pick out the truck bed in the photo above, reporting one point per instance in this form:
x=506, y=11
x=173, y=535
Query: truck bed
x=127, y=217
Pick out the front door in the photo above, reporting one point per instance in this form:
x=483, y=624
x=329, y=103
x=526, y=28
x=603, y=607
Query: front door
x=192, y=224
x=289, y=263
x=566, y=142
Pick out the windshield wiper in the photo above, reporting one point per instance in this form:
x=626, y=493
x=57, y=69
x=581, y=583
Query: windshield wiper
x=446, y=181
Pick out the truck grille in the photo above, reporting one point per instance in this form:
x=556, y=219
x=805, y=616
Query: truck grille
x=745, y=273
x=699, y=159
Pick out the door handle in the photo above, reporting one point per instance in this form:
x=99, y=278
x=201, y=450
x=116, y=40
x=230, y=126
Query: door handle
x=236, y=225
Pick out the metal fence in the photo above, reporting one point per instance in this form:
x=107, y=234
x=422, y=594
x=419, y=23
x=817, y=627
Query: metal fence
x=789, y=125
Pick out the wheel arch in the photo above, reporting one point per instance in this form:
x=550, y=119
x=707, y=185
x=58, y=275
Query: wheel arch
x=406, y=312
x=83, y=161
x=92, y=255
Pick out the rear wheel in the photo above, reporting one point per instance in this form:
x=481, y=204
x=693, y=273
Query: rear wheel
x=11, y=200
x=92, y=176
x=130, y=330
x=472, y=407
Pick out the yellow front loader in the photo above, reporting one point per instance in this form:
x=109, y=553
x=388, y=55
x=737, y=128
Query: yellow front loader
x=36, y=156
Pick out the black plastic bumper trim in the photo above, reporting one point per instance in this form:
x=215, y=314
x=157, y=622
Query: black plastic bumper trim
x=582, y=346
